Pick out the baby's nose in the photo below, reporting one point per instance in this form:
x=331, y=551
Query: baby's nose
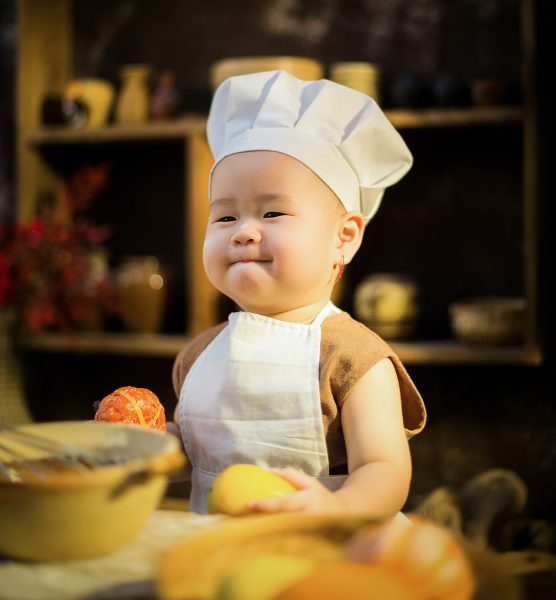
x=246, y=233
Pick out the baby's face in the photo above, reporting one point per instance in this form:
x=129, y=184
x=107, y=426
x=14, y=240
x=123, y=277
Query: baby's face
x=272, y=233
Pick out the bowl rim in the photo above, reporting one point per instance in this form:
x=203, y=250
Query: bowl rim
x=168, y=459
x=489, y=303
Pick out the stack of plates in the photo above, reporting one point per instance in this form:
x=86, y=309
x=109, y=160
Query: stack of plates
x=361, y=76
x=304, y=68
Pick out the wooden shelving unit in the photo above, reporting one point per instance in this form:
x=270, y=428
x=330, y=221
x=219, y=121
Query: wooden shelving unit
x=106, y=343
x=46, y=42
x=196, y=125
x=455, y=117
x=45, y=48
x=154, y=130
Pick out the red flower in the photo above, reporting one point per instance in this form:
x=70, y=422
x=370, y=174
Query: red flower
x=84, y=185
x=48, y=269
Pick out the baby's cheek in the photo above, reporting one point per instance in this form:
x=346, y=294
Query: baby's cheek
x=213, y=257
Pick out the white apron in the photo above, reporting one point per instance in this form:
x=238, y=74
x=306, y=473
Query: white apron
x=253, y=396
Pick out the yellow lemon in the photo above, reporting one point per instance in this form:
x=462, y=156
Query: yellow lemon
x=264, y=577
x=237, y=485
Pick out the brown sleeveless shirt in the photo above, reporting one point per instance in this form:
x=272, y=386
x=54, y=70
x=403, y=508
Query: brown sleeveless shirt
x=348, y=350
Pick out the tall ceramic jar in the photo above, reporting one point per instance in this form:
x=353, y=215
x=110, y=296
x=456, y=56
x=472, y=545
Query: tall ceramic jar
x=133, y=101
x=142, y=292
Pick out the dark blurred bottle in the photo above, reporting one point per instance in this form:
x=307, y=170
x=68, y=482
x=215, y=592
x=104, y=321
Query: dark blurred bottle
x=165, y=100
x=451, y=90
x=410, y=91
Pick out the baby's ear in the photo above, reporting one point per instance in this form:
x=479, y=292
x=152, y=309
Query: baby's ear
x=350, y=234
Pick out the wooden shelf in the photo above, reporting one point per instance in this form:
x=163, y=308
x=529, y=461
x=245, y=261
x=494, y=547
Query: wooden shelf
x=452, y=352
x=44, y=66
x=105, y=343
x=195, y=125
x=445, y=352
x=455, y=117
x=154, y=130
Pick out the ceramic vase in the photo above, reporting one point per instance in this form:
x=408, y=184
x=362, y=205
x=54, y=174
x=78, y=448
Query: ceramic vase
x=133, y=101
x=142, y=293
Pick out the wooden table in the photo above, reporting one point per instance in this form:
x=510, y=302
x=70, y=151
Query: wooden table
x=125, y=574
x=129, y=573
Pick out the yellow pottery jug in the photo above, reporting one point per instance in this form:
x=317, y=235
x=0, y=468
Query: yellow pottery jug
x=142, y=294
x=133, y=101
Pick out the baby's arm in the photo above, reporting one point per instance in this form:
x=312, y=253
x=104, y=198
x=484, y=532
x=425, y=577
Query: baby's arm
x=379, y=462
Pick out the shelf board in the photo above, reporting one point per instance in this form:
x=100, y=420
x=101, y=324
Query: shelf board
x=411, y=353
x=195, y=125
x=153, y=130
x=455, y=117
x=105, y=343
x=452, y=352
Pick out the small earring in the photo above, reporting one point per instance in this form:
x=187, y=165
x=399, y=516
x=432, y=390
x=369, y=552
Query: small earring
x=341, y=271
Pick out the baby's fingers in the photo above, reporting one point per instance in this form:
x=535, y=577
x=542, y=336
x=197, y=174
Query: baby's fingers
x=293, y=502
x=298, y=479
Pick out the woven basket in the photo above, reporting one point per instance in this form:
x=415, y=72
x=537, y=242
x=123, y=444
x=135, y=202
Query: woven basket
x=489, y=320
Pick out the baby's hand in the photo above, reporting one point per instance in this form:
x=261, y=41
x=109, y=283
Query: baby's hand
x=311, y=496
x=173, y=428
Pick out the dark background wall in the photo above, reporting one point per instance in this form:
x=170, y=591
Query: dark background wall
x=469, y=38
x=458, y=229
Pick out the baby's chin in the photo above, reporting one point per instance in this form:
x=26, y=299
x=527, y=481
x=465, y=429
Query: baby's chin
x=280, y=306
x=249, y=277
x=260, y=303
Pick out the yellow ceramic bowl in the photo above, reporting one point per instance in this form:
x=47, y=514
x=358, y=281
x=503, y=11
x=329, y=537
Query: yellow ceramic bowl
x=71, y=514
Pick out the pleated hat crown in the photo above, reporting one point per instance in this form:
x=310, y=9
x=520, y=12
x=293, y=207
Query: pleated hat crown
x=341, y=134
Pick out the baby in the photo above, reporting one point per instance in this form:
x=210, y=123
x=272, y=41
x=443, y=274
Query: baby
x=291, y=382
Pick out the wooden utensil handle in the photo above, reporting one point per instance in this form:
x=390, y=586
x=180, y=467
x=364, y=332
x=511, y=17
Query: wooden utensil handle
x=161, y=465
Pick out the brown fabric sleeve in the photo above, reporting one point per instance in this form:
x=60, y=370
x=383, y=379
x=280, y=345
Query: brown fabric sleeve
x=413, y=406
x=348, y=351
x=189, y=354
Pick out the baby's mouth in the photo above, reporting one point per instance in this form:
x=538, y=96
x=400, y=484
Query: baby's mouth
x=250, y=259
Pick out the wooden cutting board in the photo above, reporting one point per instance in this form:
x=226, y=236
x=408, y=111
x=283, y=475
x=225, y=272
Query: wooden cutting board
x=127, y=569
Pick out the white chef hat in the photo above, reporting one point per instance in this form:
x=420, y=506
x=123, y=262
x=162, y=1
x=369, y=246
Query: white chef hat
x=339, y=133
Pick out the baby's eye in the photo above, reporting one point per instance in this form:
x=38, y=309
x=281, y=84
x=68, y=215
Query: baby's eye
x=271, y=214
x=226, y=219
